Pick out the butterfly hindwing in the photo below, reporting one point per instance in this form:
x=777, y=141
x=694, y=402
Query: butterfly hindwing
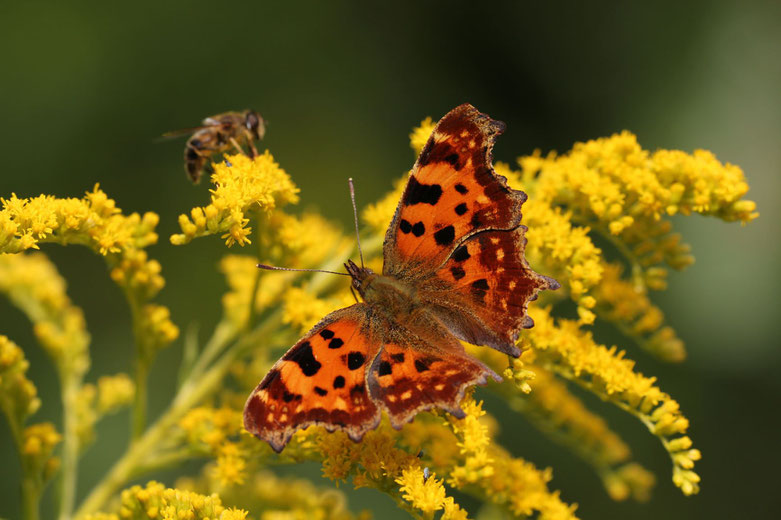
x=320, y=380
x=410, y=375
x=452, y=193
x=483, y=289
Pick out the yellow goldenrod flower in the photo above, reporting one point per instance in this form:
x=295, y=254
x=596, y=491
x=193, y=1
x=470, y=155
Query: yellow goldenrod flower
x=138, y=274
x=305, y=241
x=242, y=184
x=210, y=426
x=18, y=395
x=114, y=392
x=155, y=502
x=378, y=215
x=473, y=441
x=564, y=251
x=573, y=353
x=231, y=464
x=156, y=330
x=37, y=448
x=629, y=480
x=33, y=284
x=620, y=190
x=94, y=221
x=629, y=308
x=303, y=310
x=426, y=494
x=420, y=134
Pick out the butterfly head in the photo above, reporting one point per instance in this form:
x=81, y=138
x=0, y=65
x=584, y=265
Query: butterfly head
x=361, y=277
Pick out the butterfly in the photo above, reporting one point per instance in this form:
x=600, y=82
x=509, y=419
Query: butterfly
x=453, y=271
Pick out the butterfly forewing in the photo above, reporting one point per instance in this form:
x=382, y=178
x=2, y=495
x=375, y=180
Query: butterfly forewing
x=487, y=287
x=451, y=194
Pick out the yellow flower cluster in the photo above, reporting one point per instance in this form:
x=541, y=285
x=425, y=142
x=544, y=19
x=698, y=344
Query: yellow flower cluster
x=242, y=184
x=155, y=330
x=473, y=443
x=378, y=215
x=270, y=497
x=554, y=410
x=620, y=190
x=136, y=273
x=33, y=284
x=18, y=395
x=628, y=307
x=241, y=273
x=427, y=493
x=420, y=134
x=304, y=241
x=218, y=433
x=574, y=354
x=156, y=502
x=38, y=443
x=564, y=251
x=93, y=221
x=94, y=401
x=210, y=427
x=303, y=311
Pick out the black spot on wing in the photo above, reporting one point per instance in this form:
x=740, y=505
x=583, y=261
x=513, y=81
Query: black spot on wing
x=287, y=397
x=405, y=226
x=461, y=209
x=418, y=229
x=321, y=391
x=326, y=334
x=460, y=254
x=302, y=355
x=460, y=188
x=339, y=382
x=457, y=272
x=476, y=222
x=480, y=288
x=385, y=368
x=398, y=358
x=355, y=360
x=445, y=236
x=418, y=193
x=335, y=343
x=421, y=365
x=453, y=160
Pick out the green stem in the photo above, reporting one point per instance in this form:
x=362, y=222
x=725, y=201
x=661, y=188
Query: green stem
x=138, y=422
x=31, y=494
x=140, y=397
x=70, y=445
x=193, y=391
x=253, y=316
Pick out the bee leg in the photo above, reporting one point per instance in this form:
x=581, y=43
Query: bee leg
x=237, y=146
x=251, y=143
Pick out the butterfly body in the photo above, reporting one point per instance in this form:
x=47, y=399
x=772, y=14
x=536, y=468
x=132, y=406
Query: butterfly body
x=453, y=271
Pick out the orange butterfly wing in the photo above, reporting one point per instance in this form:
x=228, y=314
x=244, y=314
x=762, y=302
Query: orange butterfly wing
x=320, y=380
x=487, y=286
x=409, y=376
x=451, y=194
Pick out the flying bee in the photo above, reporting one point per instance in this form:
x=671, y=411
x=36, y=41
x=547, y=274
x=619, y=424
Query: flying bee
x=218, y=134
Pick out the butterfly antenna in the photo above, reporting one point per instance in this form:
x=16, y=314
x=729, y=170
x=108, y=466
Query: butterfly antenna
x=274, y=268
x=355, y=217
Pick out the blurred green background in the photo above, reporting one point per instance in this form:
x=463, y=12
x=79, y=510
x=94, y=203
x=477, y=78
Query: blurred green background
x=86, y=87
